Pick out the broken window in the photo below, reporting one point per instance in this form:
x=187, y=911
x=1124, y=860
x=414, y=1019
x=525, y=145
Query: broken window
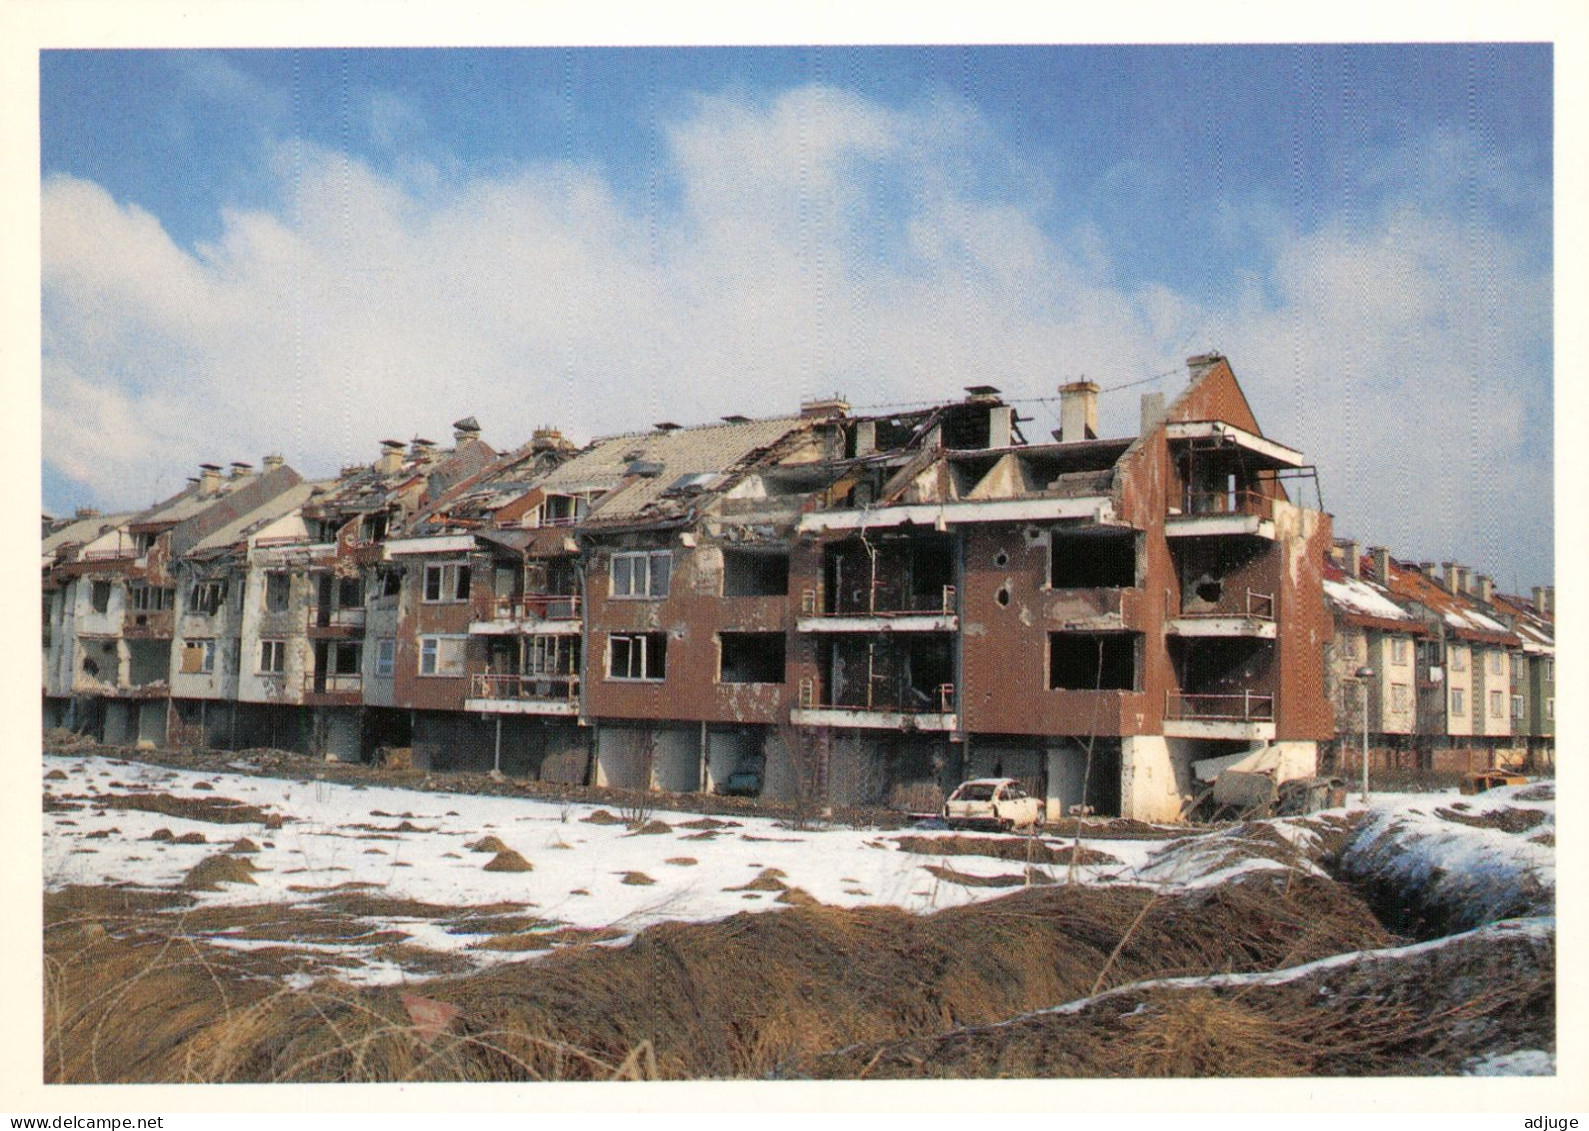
x=752, y=657
x=207, y=597
x=1092, y=560
x=350, y=592
x=562, y=510
x=755, y=573
x=148, y=598
x=551, y=655
x=385, y=657
x=100, y=596
x=1087, y=661
x=638, y=656
x=441, y=655
x=272, y=657
x=198, y=657
x=372, y=527
x=447, y=582
x=278, y=589
x=391, y=582
x=642, y=575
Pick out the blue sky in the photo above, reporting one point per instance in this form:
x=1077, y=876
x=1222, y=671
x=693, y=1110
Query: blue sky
x=306, y=251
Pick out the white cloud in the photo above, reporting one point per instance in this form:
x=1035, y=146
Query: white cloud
x=815, y=243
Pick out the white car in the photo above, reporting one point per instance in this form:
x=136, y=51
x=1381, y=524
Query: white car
x=992, y=803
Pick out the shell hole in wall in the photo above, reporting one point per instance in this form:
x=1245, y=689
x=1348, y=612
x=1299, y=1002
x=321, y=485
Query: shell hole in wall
x=1003, y=596
x=1001, y=558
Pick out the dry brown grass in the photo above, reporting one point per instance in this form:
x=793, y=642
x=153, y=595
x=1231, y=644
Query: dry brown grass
x=508, y=861
x=213, y=871
x=737, y=997
x=1507, y=820
x=1421, y=1014
x=487, y=844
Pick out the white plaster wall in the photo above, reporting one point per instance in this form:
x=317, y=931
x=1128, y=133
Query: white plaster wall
x=1455, y=723
x=1155, y=777
x=1067, y=770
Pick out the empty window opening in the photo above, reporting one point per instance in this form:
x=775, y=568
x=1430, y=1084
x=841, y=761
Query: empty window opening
x=1092, y=560
x=1081, y=661
x=100, y=595
x=272, y=657
x=447, y=582
x=638, y=656
x=550, y=655
x=278, y=587
x=750, y=573
x=752, y=657
x=1003, y=596
x=385, y=657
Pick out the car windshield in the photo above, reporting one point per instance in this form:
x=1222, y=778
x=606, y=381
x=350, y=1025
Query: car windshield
x=975, y=791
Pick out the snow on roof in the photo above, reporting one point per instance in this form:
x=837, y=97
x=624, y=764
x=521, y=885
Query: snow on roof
x=1364, y=597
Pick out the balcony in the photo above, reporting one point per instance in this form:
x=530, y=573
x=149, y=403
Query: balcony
x=935, y=712
x=509, y=694
x=1240, y=613
x=1212, y=514
x=1241, y=715
x=332, y=689
x=540, y=613
x=156, y=625
x=881, y=611
x=336, y=622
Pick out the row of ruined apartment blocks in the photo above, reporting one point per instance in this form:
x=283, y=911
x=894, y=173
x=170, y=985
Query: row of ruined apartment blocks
x=1440, y=669
x=865, y=607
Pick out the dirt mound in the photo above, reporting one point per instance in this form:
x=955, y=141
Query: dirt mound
x=602, y=817
x=1019, y=849
x=213, y=871
x=55, y=775
x=965, y=879
x=637, y=879
x=709, y=823
x=509, y=861
x=651, y=828
x=242, y=845
x=734, y=997
x=487, y=844
x=1544, y=791
x=1420, y=1011
x=215, y=810
x=768, y=879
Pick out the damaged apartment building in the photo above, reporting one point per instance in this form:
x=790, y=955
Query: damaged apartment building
x=1452, y=676
x=828, y=606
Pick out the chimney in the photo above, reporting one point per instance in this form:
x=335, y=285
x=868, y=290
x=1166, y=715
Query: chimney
x=865, y=437
x=1464, y=580
x=420, y=446
x=1428, y=569
x=1550, y=600
x=822, y=408
x=1152, y=413
x=465, y=431
x=1001, y=423
x=1078, y=412
x=391, y=458
x=1381, y=558
x=274, y=462
x=1449, y=576
x=1354, y=558
x=209, y=478
x=240, y=469
x=545, y=439
x=1202, y=363
x=1486, y=588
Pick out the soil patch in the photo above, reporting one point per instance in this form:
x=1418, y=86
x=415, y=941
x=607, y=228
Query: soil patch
x=602, y=817
x=652, y=828
x=1507, y=820
x=213, y=871
x=215, y=810
x=1020, y=850
x=487, y=844
x=949, y=875
x=509, y=861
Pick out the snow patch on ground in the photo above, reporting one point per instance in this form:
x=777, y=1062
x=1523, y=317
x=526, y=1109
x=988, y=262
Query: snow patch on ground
x=1523, y=1062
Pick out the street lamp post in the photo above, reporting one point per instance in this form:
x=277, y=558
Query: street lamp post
x=1364, y=674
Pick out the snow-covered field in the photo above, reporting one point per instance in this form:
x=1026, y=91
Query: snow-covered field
x=413, y=845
